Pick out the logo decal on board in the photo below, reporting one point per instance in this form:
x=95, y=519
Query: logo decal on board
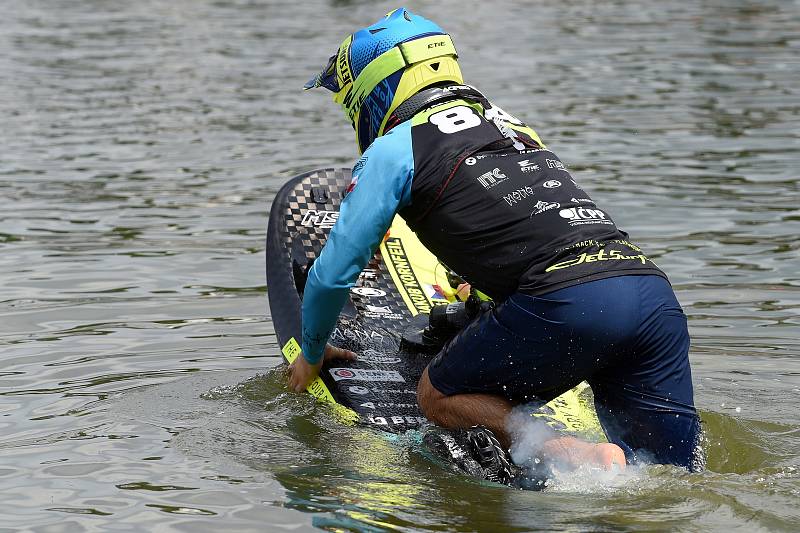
x=412, y=421
x=368, y=291
x=319, y=219
x=361, y=374
x=358, y=335
x=381, y=311
x=374, y=356
x=417, y=300
x=435, y=292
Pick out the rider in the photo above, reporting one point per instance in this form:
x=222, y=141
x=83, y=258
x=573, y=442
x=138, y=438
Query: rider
x=576, y=300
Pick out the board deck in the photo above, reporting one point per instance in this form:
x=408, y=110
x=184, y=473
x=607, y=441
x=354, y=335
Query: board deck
x=393, y=295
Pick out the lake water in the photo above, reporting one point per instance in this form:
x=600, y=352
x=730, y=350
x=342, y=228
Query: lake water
x=140, y=148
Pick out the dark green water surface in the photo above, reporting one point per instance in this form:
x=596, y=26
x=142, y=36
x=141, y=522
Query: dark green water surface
x=141, y=144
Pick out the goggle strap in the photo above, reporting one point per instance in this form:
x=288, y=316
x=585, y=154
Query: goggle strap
x=436, y=95
x=427, y=48
x=389, y=62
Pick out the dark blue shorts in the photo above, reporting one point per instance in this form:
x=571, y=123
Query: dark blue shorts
x=626, y=336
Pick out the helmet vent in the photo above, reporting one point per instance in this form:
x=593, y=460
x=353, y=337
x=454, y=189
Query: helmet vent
x=376, y=30
x=406, y=15
x=435, y=66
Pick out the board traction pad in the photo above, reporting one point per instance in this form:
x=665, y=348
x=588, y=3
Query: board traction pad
x=402, y=281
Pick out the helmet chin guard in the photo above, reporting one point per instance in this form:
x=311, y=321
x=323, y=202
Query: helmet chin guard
x=379, y=67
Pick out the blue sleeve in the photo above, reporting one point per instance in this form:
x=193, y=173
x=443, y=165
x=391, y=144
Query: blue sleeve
x=382, y=179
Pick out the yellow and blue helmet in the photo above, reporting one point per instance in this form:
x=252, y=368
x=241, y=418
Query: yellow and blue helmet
x=379, y=67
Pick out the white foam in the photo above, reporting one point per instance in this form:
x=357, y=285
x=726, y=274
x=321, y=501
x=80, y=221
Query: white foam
x=594, y=479
x=529, y=434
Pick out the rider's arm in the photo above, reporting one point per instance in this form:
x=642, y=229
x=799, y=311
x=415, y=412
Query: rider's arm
x=383, y=186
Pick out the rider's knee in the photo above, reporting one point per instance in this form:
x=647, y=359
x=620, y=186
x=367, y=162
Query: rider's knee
x=427, y=396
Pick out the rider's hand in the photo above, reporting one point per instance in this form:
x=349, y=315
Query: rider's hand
x=302, y=373
x=462, y=292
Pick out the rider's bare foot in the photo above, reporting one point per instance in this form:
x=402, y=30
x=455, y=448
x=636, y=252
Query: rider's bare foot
x=577, y=452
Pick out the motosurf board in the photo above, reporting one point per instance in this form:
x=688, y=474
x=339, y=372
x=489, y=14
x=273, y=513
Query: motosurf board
x=387, y=308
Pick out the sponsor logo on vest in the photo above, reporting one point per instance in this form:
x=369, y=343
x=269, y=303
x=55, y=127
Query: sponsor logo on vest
x=319, y=219
x=362, y=374
x=368, y=291
x=470, y=161
x=527, y=165
x=399, y=261
x=518, y=195
x=555, y=163
x=602, y=255
x=492, y=178
x=507, y=132
x=551, y=184
x=494, y=112
x=583, y=215
x=582, y=200
x=356, y=389
x=541, y=207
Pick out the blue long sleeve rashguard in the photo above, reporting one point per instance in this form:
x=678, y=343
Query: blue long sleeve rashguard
x=382, y=180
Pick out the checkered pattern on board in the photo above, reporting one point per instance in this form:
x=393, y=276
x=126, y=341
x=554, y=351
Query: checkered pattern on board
x=375, y=335
x=313, y=238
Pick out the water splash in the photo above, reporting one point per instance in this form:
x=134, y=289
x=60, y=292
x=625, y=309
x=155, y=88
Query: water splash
x=594, y=479
x=529, y=436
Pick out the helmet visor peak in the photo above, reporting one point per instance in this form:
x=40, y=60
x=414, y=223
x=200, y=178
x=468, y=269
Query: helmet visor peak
x=326, y=78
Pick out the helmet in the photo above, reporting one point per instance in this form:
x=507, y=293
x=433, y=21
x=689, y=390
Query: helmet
x=379, y=67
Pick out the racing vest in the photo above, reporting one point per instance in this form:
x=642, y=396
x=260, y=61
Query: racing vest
x=502, y=211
